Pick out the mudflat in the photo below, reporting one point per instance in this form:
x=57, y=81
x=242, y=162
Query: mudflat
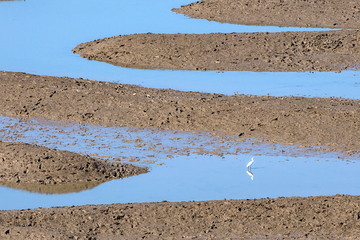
x=40, y=169
x=323, y=13
x=330, y=122
x=259, y=52
x=334, y=217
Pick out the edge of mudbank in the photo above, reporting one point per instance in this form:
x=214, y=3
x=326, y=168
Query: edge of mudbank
x=332, y=217
x=40, y=169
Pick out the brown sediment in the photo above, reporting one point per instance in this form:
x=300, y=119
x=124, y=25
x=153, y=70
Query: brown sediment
x=260, y=52
x=295, y=13
x=40, y=169
x=333, y=217
x=53, y=188
x=330, y=122
x=155, y=148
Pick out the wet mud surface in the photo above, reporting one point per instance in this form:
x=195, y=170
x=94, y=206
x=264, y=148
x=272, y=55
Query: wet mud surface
x=334, y=217
x=333, y=123
x=259, y=52
x=329, y=122
x=40, y=169
x=324, y=13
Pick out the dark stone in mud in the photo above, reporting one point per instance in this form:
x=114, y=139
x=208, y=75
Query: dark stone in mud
x=40, y=169
x=260, y=52
x=289, y=13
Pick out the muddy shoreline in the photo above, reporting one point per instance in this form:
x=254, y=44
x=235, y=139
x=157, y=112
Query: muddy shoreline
x=258, y=52
x=40, y=169
x=333, y=217
x=329, y=122
x=290, y=13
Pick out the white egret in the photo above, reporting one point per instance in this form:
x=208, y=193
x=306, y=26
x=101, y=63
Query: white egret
x=250, y=163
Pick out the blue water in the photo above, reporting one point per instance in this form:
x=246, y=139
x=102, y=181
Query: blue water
x=140, y=144
x=178, y=175
x=210, y=178
x=37, y=37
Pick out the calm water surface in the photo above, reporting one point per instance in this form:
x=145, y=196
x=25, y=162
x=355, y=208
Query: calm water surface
x=208, y=178
x=178, y=175
x=37, y=37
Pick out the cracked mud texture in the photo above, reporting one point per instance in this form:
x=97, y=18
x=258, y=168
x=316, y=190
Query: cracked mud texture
x=40, y=169
x=333, y=217
x=259, y=52
x=330, y=122
x=295, y=13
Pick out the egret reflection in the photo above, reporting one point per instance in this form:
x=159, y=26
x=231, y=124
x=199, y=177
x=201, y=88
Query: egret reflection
x=250, y=174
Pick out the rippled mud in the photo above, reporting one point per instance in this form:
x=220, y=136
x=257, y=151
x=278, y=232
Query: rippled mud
x=329, y=122
x=324, y=13
x=257, y=52
x=281, y=218
x=39, y=169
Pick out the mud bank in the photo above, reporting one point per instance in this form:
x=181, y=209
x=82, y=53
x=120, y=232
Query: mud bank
x=40, y=169
x=324, y=13
x=335, y=217
x=259, y=52
x=330, y=122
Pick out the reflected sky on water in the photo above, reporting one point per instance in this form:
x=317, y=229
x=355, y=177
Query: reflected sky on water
x=38, y=35
x=183, y=166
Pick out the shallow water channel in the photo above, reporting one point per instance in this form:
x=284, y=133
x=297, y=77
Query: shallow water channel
x=37, y=37
x=183, y=166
